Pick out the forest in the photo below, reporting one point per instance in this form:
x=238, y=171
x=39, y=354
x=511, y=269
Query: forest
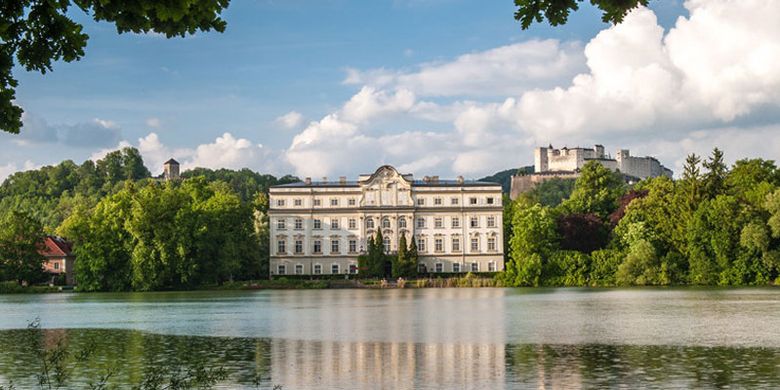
x=132, y=231
x=715, y=225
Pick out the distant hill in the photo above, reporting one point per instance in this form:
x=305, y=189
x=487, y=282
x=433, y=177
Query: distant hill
x=505, y=177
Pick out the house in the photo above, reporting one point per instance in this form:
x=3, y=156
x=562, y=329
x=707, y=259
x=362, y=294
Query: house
x=59, y=259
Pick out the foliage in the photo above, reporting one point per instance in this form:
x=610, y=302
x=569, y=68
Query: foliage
x=596, y=191
x=713, y=226
x=404, y=266
x=557, y=11
x=582, y=232
x=372, y=263
x=38, y=33
x=21, y=236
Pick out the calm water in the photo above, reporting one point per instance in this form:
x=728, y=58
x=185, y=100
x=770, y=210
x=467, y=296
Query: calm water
x=429, y=339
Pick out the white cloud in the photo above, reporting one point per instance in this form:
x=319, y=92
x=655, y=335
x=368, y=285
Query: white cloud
x=505, y=70
x=11, y=168
x=290, y=120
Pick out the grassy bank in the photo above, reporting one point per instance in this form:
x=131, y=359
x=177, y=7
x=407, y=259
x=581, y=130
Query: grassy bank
x=11, y=287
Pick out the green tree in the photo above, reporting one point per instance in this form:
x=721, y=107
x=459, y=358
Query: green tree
x=596, y=191
x=262, y=232
x=533, y=240
x=557, y=11
x=714, y=180
x=412, y=259
x=37, y=33
x=552, y=192
x=21, y=235
x=641, y=266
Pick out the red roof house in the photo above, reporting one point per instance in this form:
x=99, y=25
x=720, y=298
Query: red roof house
x=59, y=258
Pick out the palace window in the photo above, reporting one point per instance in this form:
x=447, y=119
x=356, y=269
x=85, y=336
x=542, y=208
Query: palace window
x=421, y=223
x=351, y=201
x=455, y=222
x=317, y=224
x=472, y=201
x=299, y=269
x=489, y=200
x=438, y=245
x=475, y=244
x=334, y=202
x=353, y=268
x=455, y=244
x=369, y=223
x=402, y=223
x=317, y=202
x=352, y=224
x=352, y=246
x=317, y=247
x=439, y=267
x=421, y=268
x=421, y=201
x=281, y=269
x=438, y=223
x=334, y=269
x=386, y=244
x=334, y=224
x=454, y=201
x=491, y=221
x=421, y=244
x=437, y=201
x=298, y=224
x=281, y=246
x=298, y=202
x=280, y=223
x=455, y=267
x=334, y=246
x=491, y=244
x=474, y=222
x=385, y=223
x=280, y=203
x=317, y=269
x=492, y=266
x=298, y=246
x=474, y=267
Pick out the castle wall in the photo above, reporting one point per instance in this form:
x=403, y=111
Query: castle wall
x=642, y=167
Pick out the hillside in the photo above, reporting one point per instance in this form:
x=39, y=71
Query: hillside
x=505, y=177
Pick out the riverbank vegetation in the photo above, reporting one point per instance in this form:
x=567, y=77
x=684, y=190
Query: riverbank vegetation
x=714, y=226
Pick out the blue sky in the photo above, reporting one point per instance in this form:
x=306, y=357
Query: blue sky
x=455, y=84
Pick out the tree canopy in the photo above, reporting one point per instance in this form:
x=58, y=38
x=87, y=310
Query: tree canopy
x=36, y=33
x=557, y=12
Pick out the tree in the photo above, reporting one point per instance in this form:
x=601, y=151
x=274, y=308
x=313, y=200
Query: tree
x=557, y=11
x=596, y=191
x=714, y=180
x=584, y=233
x=412, y=259
x=21, y=236
x=262, y=233
x=534, y=239
x=38, y=33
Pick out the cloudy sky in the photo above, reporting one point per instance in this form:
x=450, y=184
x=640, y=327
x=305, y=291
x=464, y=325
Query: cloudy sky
x=442, y=87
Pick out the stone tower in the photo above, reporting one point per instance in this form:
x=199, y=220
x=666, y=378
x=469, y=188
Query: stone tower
x=171, y=170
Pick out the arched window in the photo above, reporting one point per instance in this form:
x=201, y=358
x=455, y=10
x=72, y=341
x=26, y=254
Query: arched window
x=369, y=223
x=386, y=243
x=385, y=223
x=402, y=223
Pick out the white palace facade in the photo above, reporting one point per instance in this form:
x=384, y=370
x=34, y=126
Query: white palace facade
x=320, y=228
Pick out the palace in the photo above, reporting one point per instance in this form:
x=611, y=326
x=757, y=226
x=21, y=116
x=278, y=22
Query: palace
x=320, y=228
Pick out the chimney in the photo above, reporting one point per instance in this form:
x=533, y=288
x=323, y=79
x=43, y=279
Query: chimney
x=307, y=181
x=324, y=180
x=460, y=179
x=426, y=179
x=342, y=180
x=435, y=179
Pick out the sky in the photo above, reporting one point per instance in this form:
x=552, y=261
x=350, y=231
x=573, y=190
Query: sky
x=432, y=87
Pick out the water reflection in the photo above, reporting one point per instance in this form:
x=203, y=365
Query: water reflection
x=307, y=364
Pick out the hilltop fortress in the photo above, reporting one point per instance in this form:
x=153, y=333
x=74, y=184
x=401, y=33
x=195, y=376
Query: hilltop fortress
x=565, y=163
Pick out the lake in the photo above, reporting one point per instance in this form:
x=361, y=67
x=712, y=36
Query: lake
x=413, y=338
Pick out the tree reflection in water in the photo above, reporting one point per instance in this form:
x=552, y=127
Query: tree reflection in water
x=134, y=357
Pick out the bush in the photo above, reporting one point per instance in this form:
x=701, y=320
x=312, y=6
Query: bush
x=604, y=265
x=566, y=268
